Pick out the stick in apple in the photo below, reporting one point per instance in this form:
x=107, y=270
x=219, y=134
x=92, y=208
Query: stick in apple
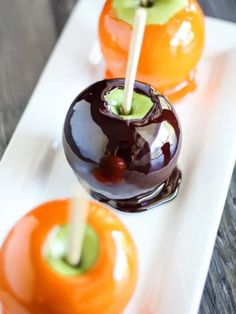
x=78, y=217
x=134, y=54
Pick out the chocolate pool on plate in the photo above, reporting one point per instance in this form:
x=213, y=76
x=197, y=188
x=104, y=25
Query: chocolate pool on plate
x=127, y=161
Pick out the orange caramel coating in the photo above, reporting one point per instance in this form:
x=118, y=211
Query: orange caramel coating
x=169, y=54
x=28, y=285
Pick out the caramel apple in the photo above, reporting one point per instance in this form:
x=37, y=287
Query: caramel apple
x=172, y=46
x=36, y=278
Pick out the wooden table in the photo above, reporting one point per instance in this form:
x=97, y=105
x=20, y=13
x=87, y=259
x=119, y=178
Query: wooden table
x=28, y=31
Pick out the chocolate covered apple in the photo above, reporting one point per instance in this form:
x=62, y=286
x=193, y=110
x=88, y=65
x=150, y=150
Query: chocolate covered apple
x=36, y=278
x=128, y=161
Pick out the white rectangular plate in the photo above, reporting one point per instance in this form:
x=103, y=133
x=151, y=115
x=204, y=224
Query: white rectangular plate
x=174, y=241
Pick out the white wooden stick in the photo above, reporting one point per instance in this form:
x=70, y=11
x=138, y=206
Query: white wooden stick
x=78, y=217
x=134, y=54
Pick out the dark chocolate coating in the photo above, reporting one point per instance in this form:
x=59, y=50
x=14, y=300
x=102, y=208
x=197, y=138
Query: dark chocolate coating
x=119, y=159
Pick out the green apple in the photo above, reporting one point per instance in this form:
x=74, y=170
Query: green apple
x=159, y=13
x=55, y=251
x=140, y=107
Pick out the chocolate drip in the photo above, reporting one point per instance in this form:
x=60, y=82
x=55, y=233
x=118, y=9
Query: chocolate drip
x=160, y=195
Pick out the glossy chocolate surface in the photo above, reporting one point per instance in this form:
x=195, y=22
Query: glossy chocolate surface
x=123, y=160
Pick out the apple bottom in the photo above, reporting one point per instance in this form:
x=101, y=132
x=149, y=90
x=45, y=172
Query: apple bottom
x=163, y=193
x=174, y=93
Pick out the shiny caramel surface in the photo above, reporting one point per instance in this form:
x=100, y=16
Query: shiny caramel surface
x=169, y=54
x=29, y=286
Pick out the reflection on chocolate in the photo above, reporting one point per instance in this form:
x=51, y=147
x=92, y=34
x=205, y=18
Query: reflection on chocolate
x=130, y=164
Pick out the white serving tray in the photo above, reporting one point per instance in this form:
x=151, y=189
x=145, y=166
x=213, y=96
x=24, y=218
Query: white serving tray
x=174, y=241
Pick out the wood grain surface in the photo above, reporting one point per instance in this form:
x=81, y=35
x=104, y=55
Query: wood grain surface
x=28, y=32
